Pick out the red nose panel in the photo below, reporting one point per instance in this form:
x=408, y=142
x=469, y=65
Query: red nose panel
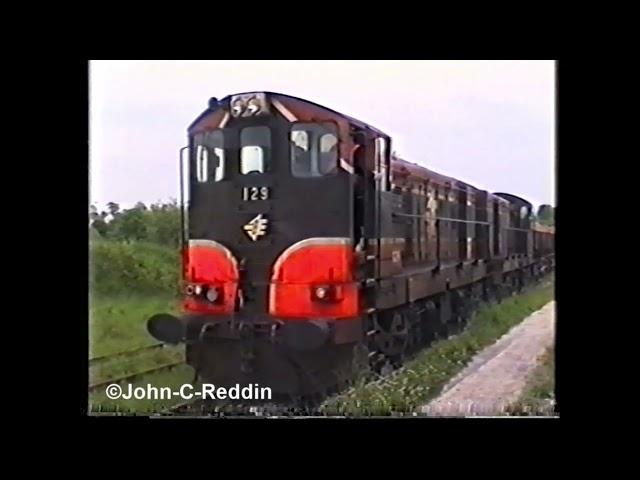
x=304, y=267
x=210, y=263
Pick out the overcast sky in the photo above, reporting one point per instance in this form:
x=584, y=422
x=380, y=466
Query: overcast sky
x=488, y=123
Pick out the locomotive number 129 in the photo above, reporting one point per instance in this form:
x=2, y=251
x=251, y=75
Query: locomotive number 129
x=255, y=193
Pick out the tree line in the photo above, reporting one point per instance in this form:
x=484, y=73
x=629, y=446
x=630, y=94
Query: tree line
x=546, y=215
x=157, y=223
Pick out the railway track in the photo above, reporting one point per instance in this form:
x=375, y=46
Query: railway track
x=102, y=359
x=125, y=353
x=137, y=375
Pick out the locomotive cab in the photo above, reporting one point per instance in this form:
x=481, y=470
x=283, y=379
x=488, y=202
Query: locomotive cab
x=267, y=187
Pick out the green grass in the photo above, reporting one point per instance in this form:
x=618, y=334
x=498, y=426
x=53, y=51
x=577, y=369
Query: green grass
x=423, y=377
x=538, y=398
x=130, y=281
x=118, y=323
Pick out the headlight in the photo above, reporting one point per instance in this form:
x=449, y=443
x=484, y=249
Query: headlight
x=197, y=289
x=327, y=293
x=322, y=292
x=189, y=290
x=213, y=294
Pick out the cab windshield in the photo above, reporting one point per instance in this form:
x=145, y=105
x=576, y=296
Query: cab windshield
x=314, y=149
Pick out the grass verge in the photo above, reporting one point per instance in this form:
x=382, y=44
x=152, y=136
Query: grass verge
x=423, y=377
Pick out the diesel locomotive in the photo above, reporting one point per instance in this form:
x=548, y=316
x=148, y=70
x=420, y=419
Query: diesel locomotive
x=310, y=250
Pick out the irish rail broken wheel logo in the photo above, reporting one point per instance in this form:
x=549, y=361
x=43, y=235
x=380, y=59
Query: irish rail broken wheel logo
x=257, y=227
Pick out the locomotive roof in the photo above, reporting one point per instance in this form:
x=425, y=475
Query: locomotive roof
x=427, y=174
x=281, y=96
x=397, y=163
x=421, y=172
x=424, y=173
x=513, y=198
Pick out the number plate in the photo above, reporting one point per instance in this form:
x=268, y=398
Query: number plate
x=255, y=193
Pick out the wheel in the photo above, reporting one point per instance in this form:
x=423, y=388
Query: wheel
x=392, y=337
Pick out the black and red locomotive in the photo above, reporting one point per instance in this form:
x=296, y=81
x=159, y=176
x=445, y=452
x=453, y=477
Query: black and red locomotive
x=310, y=250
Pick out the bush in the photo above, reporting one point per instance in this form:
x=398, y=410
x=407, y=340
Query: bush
x=133, y=267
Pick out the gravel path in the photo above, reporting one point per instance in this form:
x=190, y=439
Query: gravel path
x=496, y=376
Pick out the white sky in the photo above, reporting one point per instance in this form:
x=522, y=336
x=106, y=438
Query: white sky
x=489, y=123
